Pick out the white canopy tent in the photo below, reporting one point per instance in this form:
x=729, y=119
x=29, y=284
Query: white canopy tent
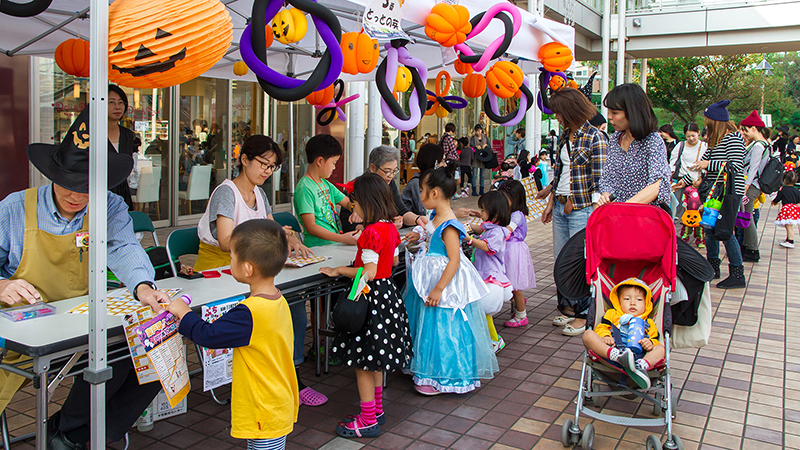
x=65, y=19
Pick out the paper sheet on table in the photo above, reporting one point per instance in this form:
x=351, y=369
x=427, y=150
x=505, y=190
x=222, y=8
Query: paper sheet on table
x=164, y=347
x=217, y=363
x=120, y=302
x=295, y=261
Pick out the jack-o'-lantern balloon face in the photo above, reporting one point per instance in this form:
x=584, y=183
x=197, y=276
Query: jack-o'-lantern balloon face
x=557, y=83
x=149, y=48
x=691, y=218
x=359, y=53
x=504, y=79
x=289, y=25
x=403, y=80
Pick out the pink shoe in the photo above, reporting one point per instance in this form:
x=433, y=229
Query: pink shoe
x=311, y=397
x=427, y=390
x=515, y=323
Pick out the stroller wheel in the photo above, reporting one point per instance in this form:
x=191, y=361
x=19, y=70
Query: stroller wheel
x=653, y=442
x=588, y=437
x=566, y=434
x=674, y=444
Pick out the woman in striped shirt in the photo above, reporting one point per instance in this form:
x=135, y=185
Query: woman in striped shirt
x=725, y=149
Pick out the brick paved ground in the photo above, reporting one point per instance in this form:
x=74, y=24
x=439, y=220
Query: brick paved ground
x=735, y=393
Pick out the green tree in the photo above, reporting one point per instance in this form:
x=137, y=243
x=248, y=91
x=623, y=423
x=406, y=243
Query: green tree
x=686, y=85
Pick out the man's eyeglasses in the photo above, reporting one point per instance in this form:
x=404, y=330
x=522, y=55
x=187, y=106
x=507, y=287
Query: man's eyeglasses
x=267, y=166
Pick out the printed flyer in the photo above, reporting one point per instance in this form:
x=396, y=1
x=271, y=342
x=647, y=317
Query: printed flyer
x=217, y=363
x=144, y=370
x=164, y=347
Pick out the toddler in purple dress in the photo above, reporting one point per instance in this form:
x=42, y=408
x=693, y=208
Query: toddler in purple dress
x=490, y=257
x=518, y=261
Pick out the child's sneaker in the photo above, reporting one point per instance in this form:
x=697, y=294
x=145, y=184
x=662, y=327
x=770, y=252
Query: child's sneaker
x=787, y=243
x=499, y=345
x=627, y=361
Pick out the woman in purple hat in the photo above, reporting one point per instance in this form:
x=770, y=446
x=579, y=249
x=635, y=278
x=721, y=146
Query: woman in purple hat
x=726, y=151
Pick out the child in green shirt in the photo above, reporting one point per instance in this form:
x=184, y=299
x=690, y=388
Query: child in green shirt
x=315, y=198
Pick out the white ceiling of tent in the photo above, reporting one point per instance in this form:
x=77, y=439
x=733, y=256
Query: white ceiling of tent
x=30, y=33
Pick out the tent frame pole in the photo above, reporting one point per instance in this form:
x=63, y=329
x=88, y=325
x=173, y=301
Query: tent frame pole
x=98, y=372
x=77, y=15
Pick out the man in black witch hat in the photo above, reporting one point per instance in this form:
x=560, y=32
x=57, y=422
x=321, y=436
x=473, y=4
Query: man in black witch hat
x=43, y=257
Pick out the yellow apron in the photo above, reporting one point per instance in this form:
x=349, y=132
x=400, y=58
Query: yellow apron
x=210, y=257
x=55, y=266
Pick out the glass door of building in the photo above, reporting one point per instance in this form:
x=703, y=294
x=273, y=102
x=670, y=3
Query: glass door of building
x=203, y=144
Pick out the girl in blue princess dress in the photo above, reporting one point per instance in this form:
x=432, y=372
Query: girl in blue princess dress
x=451, y=344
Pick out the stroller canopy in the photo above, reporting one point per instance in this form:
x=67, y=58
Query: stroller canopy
x=627, y=232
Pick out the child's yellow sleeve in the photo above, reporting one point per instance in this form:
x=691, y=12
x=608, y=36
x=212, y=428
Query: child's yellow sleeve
x=652, y=332
x=603, y=330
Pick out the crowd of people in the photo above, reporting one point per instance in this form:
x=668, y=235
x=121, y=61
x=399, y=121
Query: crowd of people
x=440, y=326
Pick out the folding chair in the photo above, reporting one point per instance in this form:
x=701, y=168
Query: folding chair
x=182, y=242
x=142, y=223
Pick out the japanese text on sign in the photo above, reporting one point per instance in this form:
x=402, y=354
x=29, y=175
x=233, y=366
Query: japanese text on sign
x=383, y=18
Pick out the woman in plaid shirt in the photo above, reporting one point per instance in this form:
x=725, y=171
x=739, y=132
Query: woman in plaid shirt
x=580, y=157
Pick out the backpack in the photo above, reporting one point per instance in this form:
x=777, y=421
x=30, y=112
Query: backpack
x=160, y=261
x=770, y=178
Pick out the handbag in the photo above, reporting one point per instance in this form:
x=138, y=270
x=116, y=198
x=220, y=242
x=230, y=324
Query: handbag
x=350, y=311
x=695, y=336
x=743, y=219
x=726, y=221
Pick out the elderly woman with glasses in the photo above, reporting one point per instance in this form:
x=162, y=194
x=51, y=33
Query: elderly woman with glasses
x=239, y=200
x=385, y=161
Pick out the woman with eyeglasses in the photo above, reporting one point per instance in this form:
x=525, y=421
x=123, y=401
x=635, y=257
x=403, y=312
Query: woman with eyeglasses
x=385, y=161
x=239, y=200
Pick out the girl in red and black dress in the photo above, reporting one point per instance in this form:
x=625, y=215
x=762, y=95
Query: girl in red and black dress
x=789, y=214
x=383, y=343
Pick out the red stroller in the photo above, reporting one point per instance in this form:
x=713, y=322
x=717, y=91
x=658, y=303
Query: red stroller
x=623, y=241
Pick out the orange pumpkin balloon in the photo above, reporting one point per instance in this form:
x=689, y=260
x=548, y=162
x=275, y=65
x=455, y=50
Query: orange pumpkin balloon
x=165, y=43
x=572, y=84
x=321, y=97
x=359, y=52
x=448, y=24
x=557, y=83
x=403, y=80
x=474, y=85
x=504, y=79
x=555, y=57
x=270, y=38
x=72, y=56
x=462, y=67
x=240, y=68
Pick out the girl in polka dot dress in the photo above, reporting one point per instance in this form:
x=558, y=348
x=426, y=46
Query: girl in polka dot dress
x=383, y=343
x=789, y=215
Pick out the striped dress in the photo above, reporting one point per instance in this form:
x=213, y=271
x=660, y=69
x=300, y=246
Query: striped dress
x=730, y=151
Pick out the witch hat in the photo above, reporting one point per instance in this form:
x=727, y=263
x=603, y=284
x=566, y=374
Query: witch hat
x=67, y=164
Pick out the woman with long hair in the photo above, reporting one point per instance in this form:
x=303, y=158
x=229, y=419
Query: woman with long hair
x=726, y=152
x=580, y=157
x=671, y=139
x=636, y=169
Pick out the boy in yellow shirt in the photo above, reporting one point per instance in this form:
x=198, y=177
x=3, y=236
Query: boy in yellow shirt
x=618, y=337
x=264, y=393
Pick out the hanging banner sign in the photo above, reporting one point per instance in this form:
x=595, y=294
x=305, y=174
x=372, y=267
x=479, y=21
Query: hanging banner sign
x=383, y=18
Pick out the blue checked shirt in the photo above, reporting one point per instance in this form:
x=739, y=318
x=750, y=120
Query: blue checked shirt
x=126, y=258
x=587, y=159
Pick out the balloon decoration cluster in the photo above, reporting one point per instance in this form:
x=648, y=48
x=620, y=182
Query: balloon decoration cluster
x=555, y=58
x=330, y=103
x=253, y=48
x=505, y=80
x=359, y=53
x=440, y=104
x=396, y=54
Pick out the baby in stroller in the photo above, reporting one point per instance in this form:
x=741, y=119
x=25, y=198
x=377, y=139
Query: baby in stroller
x=627, y=335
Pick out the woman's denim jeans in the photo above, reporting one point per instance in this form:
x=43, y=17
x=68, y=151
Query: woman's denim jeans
x=566, y=225
x=731, y=247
